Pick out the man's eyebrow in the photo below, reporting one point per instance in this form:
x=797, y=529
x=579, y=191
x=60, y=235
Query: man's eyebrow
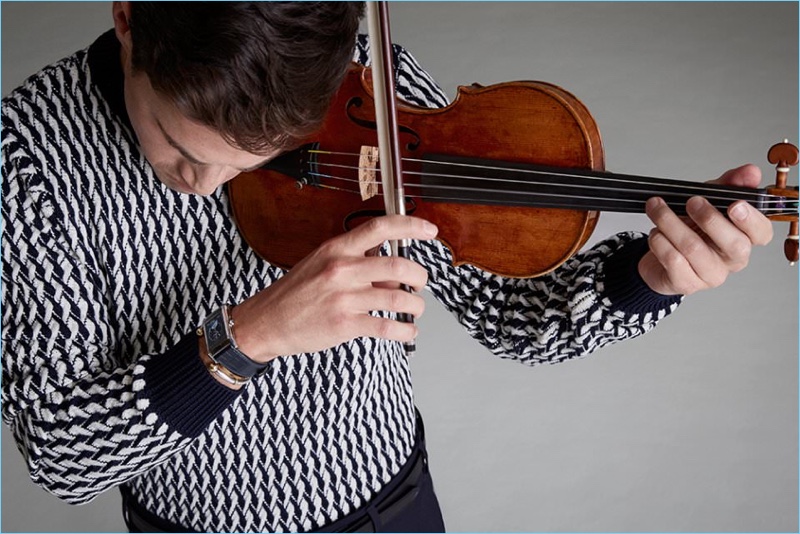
x=174, y=144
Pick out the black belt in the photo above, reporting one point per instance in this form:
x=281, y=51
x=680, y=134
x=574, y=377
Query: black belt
x=389, y=503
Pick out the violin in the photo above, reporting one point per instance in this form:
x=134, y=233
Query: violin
x=512, y=174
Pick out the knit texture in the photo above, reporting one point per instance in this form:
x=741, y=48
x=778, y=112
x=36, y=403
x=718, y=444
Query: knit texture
x=107, y=273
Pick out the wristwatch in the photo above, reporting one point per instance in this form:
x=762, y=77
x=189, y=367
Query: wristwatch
x=222, y=348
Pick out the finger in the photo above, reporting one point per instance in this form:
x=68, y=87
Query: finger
x=703, y=259
x=745, y=176
x=381, y=327
x=391, y=227
x=752, y=222
x=731, y=244
x=392, y=300
x=390, y=271
x=676, y=275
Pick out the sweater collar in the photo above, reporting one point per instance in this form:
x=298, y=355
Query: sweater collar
x=106, y=69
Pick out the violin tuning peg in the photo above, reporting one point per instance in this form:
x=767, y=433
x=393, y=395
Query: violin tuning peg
x=784, y=156
x=784, y=153
x=790, y=246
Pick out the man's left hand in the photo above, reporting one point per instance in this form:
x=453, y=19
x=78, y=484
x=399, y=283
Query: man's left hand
x=689, y=254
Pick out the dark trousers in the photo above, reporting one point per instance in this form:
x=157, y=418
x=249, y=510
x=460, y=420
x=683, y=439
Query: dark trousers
x=406, y=504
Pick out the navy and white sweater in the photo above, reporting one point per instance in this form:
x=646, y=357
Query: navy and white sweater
x=107, y=273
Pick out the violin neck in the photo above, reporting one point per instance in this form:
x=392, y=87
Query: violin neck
x=454, y=179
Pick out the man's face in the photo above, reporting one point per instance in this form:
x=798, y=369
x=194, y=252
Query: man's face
x=186, y=155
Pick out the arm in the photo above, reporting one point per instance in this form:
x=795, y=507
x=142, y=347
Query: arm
x=85, y=412
x=594, y=299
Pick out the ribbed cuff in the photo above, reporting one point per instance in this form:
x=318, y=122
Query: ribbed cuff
x=181, y=390
x=624, y=287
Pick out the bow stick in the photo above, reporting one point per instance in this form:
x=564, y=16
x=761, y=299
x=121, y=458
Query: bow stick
x=386, y=120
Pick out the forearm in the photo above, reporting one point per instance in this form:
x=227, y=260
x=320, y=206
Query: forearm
x=83, y=435
x=566, y=314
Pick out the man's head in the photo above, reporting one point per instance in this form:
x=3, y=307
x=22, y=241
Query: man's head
x=213, y=88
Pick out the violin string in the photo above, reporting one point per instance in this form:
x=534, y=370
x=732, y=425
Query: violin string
x=563, y=173
x=764, y=197
x=634, y=204
x=634, y=209
x=530, y=182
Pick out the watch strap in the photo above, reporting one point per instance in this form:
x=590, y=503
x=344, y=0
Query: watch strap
x=237, y=362
x=222, y=348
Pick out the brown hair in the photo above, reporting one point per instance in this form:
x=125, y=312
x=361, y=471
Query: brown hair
x=262, y=74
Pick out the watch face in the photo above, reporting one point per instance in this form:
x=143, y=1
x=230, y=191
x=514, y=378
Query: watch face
x=215, y=332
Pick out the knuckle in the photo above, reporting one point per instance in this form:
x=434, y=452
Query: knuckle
x=673, y=260
x=397, y=267
x=717, y=279
x=384, y=329
x=328, y=248
x=740, y=265
x=378, y=225
x=693, y=246
x=339, y=321
x=655, y=239
x=397, y=299
x=765, y=235
x=335, y=268
x=339, y=302
x=740, y=249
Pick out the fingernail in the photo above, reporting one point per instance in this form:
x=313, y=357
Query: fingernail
x=695, y=204
x=654, y=202
x=739, y=211
x=430, y=229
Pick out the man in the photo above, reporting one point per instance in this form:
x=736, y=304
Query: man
x=103, y=383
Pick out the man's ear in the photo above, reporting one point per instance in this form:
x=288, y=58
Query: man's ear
x=122, y=16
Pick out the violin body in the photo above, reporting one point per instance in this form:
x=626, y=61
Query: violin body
x=284, y=219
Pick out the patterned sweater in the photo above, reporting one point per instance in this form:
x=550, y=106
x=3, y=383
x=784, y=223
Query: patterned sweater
x=107, y=273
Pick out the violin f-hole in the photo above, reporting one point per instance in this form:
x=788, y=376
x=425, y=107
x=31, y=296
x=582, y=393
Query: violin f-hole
x=357, y=102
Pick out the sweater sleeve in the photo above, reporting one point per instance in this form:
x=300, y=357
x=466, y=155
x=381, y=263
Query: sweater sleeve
x=85, y=412
x=590, y=301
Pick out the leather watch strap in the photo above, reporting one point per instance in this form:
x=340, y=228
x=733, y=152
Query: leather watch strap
x=222, y=348
x=237, y=362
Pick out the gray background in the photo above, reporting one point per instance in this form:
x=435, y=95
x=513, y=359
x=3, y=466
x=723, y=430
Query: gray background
x=693, y=427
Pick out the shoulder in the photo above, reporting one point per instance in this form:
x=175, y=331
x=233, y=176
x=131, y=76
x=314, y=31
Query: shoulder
x=55, y=131
x=38, y=117
x=49, y=87
x=413, y=83
x=58, y=117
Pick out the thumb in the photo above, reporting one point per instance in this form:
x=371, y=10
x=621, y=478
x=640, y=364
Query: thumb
x=745, y=176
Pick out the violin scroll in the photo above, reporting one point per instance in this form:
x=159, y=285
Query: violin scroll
x=785, y=156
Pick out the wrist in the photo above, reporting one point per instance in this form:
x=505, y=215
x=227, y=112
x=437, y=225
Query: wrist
x=250, y=334
x=624, y=286
x=228, y=363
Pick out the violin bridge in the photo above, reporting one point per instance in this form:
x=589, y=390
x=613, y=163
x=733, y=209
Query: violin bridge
x=367, y=172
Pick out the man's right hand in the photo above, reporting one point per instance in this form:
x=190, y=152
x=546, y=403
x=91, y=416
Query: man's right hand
x=325, y=299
